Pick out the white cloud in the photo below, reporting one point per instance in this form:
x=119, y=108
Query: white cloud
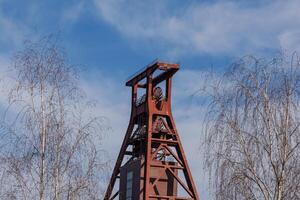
x=290, y=40
x=222, y=27
x=9, y=31
x=14, y=31
x=112, y=102
x=72, y=13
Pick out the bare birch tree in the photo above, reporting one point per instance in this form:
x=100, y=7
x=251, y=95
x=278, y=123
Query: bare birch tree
x=252, y=133
x=53, y=146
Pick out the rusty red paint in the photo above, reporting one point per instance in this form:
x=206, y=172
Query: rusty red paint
x=150, y=141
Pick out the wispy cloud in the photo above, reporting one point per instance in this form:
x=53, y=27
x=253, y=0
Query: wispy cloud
x=10, y=32
x=72, y=13
x=290, y=40
x=14, y=30
x=221, y=27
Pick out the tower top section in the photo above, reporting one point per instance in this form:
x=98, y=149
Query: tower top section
x=164, y=69
x=151, y=164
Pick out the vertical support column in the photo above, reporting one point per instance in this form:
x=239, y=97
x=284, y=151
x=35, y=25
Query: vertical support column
x=134, y=95
x=149, y=137
x=168, y=92
x=134, y=100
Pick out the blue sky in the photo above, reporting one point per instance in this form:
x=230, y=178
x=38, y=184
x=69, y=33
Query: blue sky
x=111, y=39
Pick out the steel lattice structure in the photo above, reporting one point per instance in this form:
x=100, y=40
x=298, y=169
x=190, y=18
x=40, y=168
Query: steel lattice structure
x=151, y=163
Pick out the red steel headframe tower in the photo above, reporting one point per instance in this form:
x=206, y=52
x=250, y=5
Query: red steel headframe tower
x=151, y=164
